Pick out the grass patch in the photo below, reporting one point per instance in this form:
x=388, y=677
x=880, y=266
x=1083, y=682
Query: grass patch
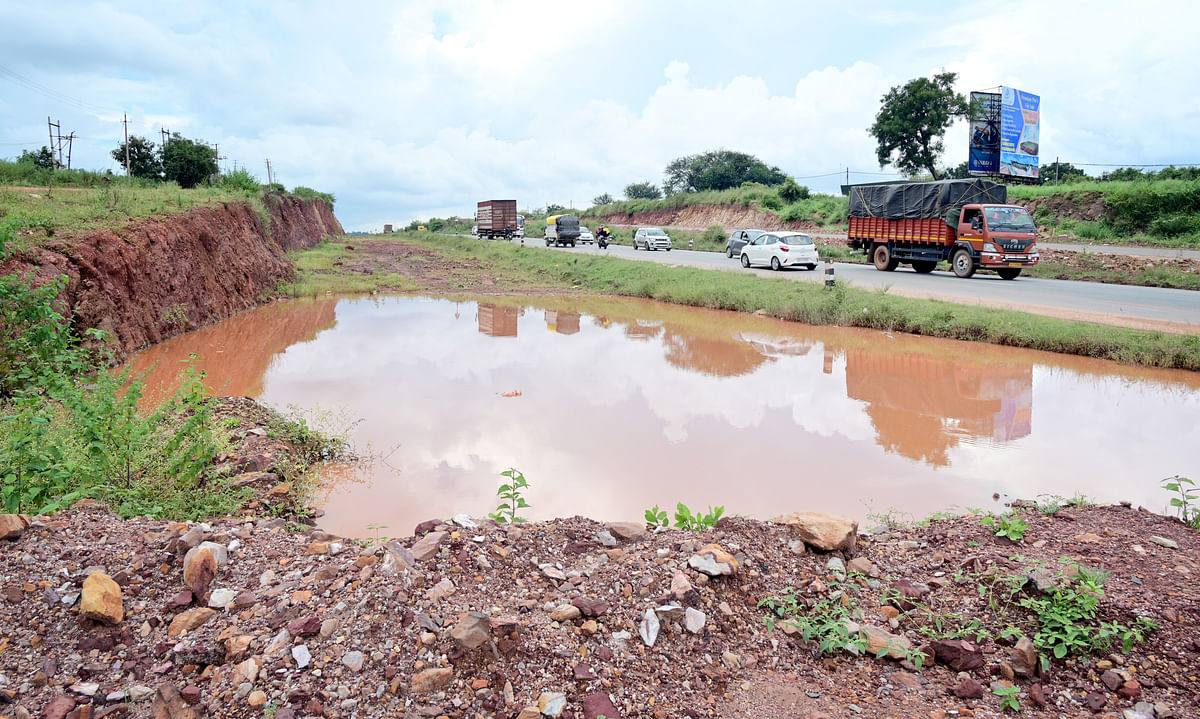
x=1089, y=267
x=322, y=269
x=811, y=303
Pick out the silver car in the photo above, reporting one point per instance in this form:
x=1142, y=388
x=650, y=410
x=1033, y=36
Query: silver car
x=586, y=236
x=739, y=239
x=651, y=238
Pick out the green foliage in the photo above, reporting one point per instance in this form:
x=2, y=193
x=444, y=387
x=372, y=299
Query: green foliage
x=43, y=158
x=239, y=180
x=1187, y=499
x=600, y=200
x=822, y=621
x=510, y=498
x=1164, y=208
x=714, y=236
x=1008, y=698
x=685, y=519
x=912, y=121
x=1009, y=526
x=717, y=170
x=1061, y=172
x=144, y=159
x=1066, y=618
x=307, y=193
x=188, y=162
x=791, y=193
x=656, y=517
x=772, y=202
x=636, y=191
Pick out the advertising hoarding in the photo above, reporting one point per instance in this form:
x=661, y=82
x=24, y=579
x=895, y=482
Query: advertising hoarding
x=1020, y=122
x=984, y=154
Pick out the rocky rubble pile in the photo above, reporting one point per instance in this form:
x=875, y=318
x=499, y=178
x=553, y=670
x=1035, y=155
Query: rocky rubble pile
x=574, y=618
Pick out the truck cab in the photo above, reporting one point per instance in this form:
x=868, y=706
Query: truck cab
x=994, y=237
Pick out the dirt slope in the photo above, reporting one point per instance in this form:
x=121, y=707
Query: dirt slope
x=161, y=277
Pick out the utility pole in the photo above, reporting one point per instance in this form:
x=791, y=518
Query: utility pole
x=166, y=135
x=125, y=121
x=1056, y=168
x=70, y=144
x=270, y=180
x=847, y=174
x=55, y=147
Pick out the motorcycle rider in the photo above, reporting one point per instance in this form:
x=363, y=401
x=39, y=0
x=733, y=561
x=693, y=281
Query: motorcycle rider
x=602, y=235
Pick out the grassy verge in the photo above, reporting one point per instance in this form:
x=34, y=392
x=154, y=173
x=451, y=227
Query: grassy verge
x=811, y=303
x=323, y=269
x=1088, y=267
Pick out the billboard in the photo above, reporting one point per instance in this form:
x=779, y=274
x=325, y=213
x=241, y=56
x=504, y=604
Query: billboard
x=984, y=154
x=1019, y=132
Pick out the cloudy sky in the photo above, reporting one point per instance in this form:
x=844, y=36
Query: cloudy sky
x=415, y=108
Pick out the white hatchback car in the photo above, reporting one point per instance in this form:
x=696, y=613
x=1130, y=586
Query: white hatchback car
x=586, y=236
x=651, y=238
x=781, y=249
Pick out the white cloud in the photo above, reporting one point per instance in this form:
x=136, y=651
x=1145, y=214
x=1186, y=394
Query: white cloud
x=426, y=107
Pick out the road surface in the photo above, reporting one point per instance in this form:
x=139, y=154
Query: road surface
x=1149, y=308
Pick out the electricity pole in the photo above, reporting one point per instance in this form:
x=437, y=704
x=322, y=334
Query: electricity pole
x=270, y=180
x=125, y=121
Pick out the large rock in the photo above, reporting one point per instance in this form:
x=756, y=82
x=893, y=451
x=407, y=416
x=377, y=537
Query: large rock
x=13, y=526
x=714, y=561
x=827, y=532
x=1023, y=657
x=189, y=620
x=599, y=705
x=199, y=570
x=170, y=704
x=59, y=708
x=101, y=599
x=432, y=680
x=626, y=531
x=881, y=642
x=958, y=654
x=472, y=631
x=426, y=547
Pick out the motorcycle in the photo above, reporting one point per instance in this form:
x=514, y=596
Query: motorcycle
x=602, y=241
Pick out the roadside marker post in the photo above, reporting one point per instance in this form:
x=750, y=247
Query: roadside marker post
x=829, y=272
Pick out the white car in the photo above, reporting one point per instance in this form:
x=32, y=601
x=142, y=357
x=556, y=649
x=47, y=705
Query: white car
x=585, y=236
x=781, y=249
x=651, y=238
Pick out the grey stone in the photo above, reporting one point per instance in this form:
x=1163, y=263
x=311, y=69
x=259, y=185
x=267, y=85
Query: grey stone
x=648, y=628
x=353, y=660
x=302, y=656
x=1164, y=542
x=694, y=620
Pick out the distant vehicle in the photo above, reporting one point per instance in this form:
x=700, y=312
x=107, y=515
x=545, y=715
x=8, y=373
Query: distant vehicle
x=585, y=236
x=562, y=230
x=420, y=227
x=520, y=233
x=781, y=249
x=651, y=238
x=497, y=218
x=964, y=222
x=474, y=230
x=738, y=239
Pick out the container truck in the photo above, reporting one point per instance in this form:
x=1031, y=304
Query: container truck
x=562, y=230
x=967, y=223
x=496, y=218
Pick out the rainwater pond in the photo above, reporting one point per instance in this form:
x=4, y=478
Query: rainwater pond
x=610, y=406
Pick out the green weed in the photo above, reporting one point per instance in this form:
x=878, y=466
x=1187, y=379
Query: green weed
x=1009, y=526
x=511, y=499
x=822, y=621
x=685, y=519
x=1008, y=698
x=1186, y=500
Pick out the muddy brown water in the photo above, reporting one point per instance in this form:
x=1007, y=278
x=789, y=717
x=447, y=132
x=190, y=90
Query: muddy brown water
x=611, y=406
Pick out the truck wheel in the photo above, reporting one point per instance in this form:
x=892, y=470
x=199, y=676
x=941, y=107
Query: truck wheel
x=924, y=266
x=1009, y=273
x=882, y=257
x=962, y=263
x=548, y=243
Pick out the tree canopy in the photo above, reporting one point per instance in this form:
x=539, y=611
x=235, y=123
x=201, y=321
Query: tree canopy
x=642, y=191
x=913, y=120
x=605, y=199
x=144, y=160
x=188, y=162
x=43, y=158
x=717, y=170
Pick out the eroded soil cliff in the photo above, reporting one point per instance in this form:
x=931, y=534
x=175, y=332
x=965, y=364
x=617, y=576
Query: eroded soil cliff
x=160, y=277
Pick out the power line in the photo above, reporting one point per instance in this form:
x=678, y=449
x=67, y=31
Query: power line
x=28, y=84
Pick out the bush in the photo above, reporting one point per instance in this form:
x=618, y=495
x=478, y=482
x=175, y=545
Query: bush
x=772, y=201
x=1175, y=225
x=239, y=180
x=791, y=192
x=715, y=234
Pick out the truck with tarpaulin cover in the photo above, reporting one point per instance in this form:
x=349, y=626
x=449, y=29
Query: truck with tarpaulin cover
x=967, y=223
x=562, y=230
x=496, y=218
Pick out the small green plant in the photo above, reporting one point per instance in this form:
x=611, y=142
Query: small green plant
x=1008, y=698
x=1009, y=526
x=375, y=527
x=1186, y=500
x=175, y=315
x=511, y=499
x=656, y=517
x=824, y=621
x=685, y=519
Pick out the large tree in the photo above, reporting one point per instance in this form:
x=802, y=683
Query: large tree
x=187, y=162
x=642, y=191
x=43, y=158
x=912, y=121
x=144, y=160
x=717, y=170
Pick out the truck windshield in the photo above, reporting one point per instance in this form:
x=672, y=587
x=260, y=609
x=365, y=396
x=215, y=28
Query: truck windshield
x=1008, y=219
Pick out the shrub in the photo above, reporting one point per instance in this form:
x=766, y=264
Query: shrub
x=772, y=201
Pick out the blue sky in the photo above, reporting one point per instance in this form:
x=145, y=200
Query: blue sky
x=406, y=110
